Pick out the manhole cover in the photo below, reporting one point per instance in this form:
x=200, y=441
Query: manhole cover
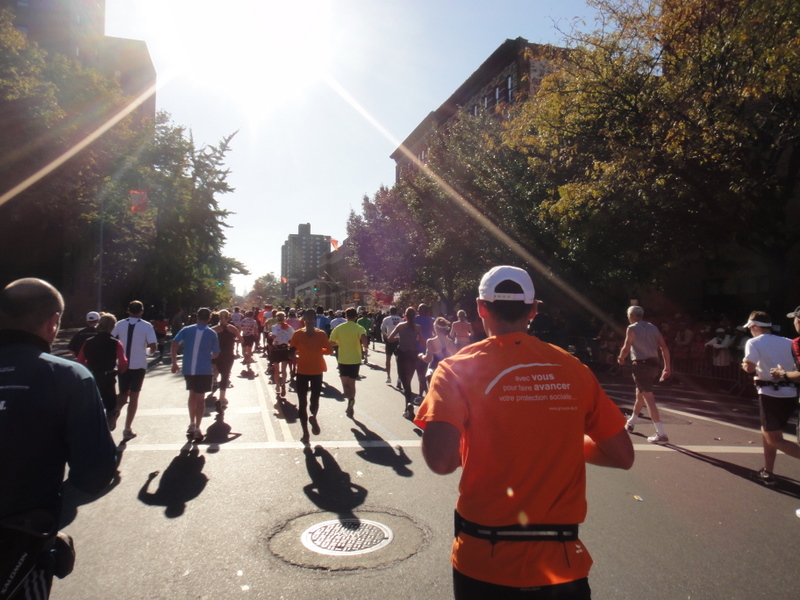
x=366, y=540
x=346, y=537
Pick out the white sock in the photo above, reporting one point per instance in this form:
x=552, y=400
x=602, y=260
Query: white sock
x=632, y=420
x=660, y=429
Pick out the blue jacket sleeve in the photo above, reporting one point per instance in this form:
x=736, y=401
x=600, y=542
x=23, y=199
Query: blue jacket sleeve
x=91, y=453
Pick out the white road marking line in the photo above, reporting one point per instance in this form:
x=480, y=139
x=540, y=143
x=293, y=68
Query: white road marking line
x=699, y=449
x=265, y=415
x=287, y=433
x=236, y=445
x=414, y=443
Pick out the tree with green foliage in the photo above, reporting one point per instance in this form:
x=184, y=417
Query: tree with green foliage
x=170, y=254
x=267, y=289
x=434, y=232
x=669, y=137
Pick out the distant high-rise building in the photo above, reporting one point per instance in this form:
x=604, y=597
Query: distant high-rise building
x=301, y=256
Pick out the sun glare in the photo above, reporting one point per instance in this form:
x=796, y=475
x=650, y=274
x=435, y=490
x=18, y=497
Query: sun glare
x=260, y=53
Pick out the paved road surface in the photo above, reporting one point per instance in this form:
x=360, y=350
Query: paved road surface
x=224, y=519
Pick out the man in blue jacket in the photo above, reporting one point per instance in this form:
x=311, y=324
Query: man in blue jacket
x=51, y=415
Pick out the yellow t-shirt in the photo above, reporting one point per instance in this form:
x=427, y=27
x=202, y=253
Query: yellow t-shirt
x=348, y=337
x=522, y=407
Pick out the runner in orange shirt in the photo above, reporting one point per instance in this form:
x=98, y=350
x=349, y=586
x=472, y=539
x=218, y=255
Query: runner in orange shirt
x=522, y=418
x=310, y=345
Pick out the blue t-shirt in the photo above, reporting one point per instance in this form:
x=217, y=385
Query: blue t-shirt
x=200, y=343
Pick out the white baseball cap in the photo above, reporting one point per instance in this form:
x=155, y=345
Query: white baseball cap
x=490, y=281
x=93, y=316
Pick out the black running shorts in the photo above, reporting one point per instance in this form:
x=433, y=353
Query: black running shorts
x=199, y=384
x=775, y=412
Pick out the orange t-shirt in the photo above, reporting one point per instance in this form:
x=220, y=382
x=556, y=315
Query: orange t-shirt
x=310, y=351
x=522, y=407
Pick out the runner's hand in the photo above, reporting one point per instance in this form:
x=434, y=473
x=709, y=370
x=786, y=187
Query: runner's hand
x=778, y=373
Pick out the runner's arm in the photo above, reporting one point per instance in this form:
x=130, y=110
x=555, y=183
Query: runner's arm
x=665, y=355
x=780, y=373
x=441, y=443
x=626, y=347
x=615, y=452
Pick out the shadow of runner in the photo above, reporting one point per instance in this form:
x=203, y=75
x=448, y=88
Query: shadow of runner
x=219, y=432
x=183, y=480
x=330, y=488
x=379, y=452
x=286, y=410
x=783, y=485
x=328, y=391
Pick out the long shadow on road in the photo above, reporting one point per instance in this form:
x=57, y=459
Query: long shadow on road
x=687, y=396
x=331, y=488
x=182, y=481
x=376, y=450
x=783, y=485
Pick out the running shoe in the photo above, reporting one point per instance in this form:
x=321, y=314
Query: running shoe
x=127, y=435
x=389, y=380
x=628, y=427
x=658, y=439
x=765, y=477
x=314, y=425
x=417, y=400
x=350, y=404
x=198, y=435
x=399, y=385
x=409, y=412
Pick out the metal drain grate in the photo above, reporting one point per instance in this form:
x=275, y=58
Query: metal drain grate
x=346, y=537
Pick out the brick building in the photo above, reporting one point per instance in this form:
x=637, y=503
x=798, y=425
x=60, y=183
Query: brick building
x=511, y=74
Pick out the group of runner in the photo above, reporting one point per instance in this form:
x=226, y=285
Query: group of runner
x=520, y=417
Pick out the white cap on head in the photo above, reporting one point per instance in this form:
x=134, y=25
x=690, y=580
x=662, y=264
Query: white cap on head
x=490, y=281
x=93, y=316
x=762, y=324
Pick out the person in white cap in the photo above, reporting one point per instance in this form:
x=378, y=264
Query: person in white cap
x=777, y=398
x=643, y=341
x=79, y=339
x=522, y=418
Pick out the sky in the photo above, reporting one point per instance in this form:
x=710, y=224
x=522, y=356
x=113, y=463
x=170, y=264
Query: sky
x=319, y=93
